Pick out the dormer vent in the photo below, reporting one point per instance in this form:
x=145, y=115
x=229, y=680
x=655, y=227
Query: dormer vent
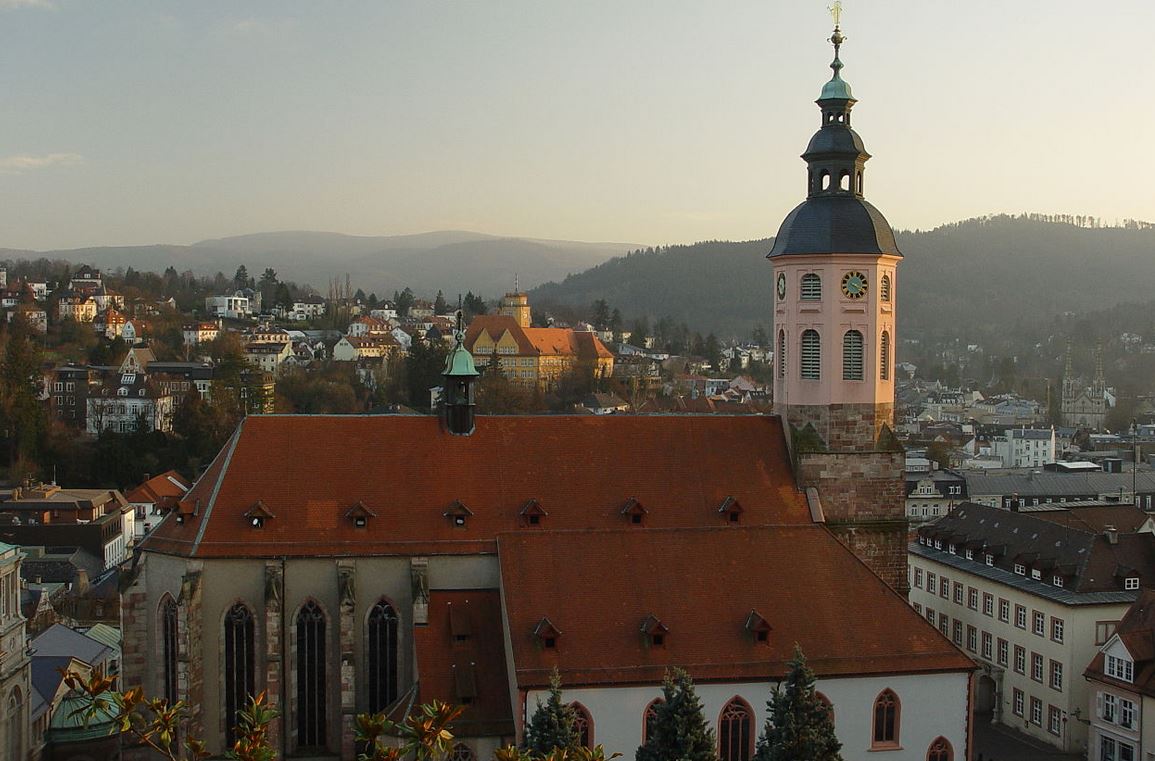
x=258, y=514
x=546, y=633
x=758, y=627
x=634, y=511
x=532, y=513
x=360, y=514
x=731, y=509
x=654, y=632
x=458, y=513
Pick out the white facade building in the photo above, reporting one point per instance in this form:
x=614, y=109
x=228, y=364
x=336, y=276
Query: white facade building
x=1026, y=447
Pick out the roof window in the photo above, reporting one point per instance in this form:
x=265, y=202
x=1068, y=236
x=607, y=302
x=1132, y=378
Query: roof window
x=634, y=511
x=731, y=509
x=258, y=514
x=758, y=627
x=546, y=633
x=360, y=514
x=654, y=631
x=532, y=513
x=458, y=513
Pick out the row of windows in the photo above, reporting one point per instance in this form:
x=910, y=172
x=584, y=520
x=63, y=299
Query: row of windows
x=810, y=288
x=1054, y=713
x=853, y=355
x=942, y=586
x=1019, y=568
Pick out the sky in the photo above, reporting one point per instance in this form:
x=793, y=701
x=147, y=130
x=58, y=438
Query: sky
x=167, y=121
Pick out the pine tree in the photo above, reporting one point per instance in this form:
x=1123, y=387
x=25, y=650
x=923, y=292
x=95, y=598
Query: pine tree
x=798, y=724
x=552, y=724
x=679, y=731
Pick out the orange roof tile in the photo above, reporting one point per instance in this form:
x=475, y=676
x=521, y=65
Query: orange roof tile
x=537, y=341
x=702, y=585
x=310, y=469
x=159, y=487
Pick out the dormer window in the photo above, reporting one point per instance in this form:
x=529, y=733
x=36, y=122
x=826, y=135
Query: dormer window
x=1131, y=583
x=951, y=549
x=1057, y=581
x=1020, y=569
x=546, y=633
x=360, y=514
x=654, y=631
x=634, y=511
x=990, y=559
x=1122, y=669
x=758, y=627
x=532, y=513
x=458, y=514
x=938, y=544
x=731, y=509
x=258, y=514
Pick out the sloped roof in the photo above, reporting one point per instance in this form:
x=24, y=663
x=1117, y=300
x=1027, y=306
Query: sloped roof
x=58, y=639
x=167, y=484
x=1137, y=631
x=537, y=341
x=449, y=666
x=310, y=469
x=624, y=576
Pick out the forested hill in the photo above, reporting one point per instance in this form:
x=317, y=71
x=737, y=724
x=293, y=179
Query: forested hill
x=991, y=273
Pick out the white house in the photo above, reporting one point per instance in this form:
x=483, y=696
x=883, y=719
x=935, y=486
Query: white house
x=1121, y=708
x=1026, y=447
x=235, y=307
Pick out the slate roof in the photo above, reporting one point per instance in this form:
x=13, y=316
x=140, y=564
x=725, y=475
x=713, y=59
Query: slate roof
x=627, y=576
x=1049, y=483
x=834, y=224
x=59, y=640
x=582, y=470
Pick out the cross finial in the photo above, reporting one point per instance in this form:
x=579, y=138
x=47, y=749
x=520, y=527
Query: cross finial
x=836, y=12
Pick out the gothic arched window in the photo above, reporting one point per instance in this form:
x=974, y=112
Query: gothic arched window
x=887, y=712
x=168, y=623
x=583, y=723
x=382, y=656
x=811, y=362
x=940, y=750
x=735, y=739
x=240, y=665
x=852, y=355
x=15, y=728
x=781, y=353
x=829, y=706
x=884, y=356
x=311, y=688
x=811, y=288
x=648, y=719
x=461, y=752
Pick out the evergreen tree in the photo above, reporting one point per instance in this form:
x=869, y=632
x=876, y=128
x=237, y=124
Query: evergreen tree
x=552, y=724
x=439, y=305
x=679, y=731
x=241, y=278
x=798, y=724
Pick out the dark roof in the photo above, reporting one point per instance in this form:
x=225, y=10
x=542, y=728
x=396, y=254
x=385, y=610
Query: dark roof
x=1051, y=483
x=58, y=639
x=836, y=139
x=835, y=224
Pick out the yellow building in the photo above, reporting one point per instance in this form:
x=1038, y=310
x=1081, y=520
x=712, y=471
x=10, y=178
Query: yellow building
x=533, y=356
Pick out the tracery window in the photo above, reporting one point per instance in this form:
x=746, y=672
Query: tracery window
x=240, y=666
x=169, y=644
x=940, y=750
x=735, y=740
x=383, y=646
x=311, y=688
x=583, y=723
x=852, y=355
x=887, y=711
x=811, y=365
x=461, y=752
x=649, y=718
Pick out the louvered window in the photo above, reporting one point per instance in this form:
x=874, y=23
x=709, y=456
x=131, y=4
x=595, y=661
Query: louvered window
x=884, y=289
x=884, y=355
x=811, y=355
x=811, y=287
x=781, y=353
x=852, y=355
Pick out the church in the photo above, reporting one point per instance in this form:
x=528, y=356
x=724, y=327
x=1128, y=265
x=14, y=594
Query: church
x=349, y=564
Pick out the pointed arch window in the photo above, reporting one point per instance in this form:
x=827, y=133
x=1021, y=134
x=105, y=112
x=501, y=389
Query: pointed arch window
x=852, y=355
x=940, y=750
x=887, y=713
x=811, y=288
x=311, y=690
x=829, y=706
x=583, y=724
x=650, y=718
x=15, y=728
x=461, y=752
x=735, y=738
x=383, y=648
x=811, y=363
x=168, y=623
x=883, y=285
x=240, y=665
x=781, y=353
x=884, y=356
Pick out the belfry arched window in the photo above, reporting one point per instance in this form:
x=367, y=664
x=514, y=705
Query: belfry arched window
x=884, y=289
x=311, y=689
x=583, y=724
x=735, y=735
x=781, y=353
x=852, y=355
x=810, y=363
x=240, y=664
x=940, y=750
x=168, y=625
x=884, y=355
x=811, y=287
x=887, y=713
x=383, y=646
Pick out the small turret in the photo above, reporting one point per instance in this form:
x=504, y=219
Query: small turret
x=460, y=377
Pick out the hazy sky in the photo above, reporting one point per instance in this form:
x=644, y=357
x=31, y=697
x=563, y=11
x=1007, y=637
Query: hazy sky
x=125, y=122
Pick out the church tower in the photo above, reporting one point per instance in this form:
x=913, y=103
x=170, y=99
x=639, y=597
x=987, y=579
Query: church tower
x=835, y=302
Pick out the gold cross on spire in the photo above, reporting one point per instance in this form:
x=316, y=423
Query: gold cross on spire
x=836, y=12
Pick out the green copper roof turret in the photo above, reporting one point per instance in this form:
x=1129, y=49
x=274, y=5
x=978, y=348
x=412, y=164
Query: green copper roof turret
x=459, y=363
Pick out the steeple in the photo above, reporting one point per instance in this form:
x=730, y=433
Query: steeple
x=836, y=154
x=1099, y=384
x=460, y=375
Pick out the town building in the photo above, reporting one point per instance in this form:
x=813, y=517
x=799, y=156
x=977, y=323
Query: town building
x=98, y=521
x=1005, y=488
x=15, y=665
x=931, y=494
x=545, y=543
x=234, y=307
x=75, y=305
x=198, y=333
x=1031, y=596
x=69, y=389
x=1121, y=680
x=1085, y=406
x=1025, y=447
x=127, y=400
x=377, y=346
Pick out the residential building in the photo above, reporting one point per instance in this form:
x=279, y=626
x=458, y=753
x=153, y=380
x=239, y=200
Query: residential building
x=269, y=357
x=1026, y=447
x=74, y=305
x=1034, y=487
x=535, y=357
x=15, y=667
x=351, y=348
x=176, y=378
x=1032, y=596
x=931, y=494
x=1121, y=704
x=154, y=498
x=234, y=307
x=69, y=389
x=109, y=323
x=34, y=317
x=126, y=400
x=367, y=325
x=98, y=521
x=307, y=308
x=197, y=333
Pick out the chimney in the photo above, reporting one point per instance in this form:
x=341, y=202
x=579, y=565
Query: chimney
x=1112, y=534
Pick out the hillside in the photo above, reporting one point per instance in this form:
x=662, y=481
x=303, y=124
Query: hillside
x=987, y=274
x=452, y=261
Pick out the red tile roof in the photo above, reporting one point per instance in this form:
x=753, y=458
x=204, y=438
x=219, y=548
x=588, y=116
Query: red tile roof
x=1137, y=631
x=159, y=487
x=537, y=341
x=310, y=469
x=460, y=654
x=703, y=584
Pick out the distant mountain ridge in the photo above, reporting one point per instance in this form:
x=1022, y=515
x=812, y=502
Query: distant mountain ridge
x=450, y=260
x=989, y=272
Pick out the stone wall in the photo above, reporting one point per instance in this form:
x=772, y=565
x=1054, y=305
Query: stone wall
x=843, y=427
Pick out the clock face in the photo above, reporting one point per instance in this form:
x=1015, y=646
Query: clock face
x=854, y=285
x=781, y=286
